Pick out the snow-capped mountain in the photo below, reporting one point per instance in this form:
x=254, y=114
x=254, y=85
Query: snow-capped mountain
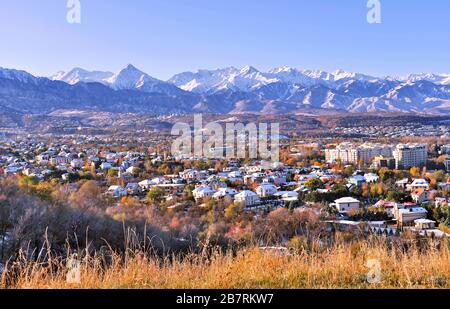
x=202, y=81
x=228, y=90
x=17, y=75
x=129, y=78
x=248, y=79
x=442, y=79
x=77, y=75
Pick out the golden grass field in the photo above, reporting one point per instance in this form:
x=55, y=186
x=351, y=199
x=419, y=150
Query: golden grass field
x=342, y=266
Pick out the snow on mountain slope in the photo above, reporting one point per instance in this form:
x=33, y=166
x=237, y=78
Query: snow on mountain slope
x=129, y=78
x=17, y=75
x=249, y=78
x=77, y=75
x=228, y=90
x=442, y=79
x=293, y=76
x=446, y=81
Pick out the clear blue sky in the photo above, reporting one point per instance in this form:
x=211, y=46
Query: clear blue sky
x=164, y=37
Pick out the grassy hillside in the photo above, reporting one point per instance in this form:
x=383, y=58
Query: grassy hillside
x=342, y=266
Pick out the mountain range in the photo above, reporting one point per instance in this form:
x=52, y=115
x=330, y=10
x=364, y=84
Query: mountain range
x=229, y=91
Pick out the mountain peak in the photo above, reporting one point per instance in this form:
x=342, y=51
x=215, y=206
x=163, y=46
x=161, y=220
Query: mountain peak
x=248, y=70
x=78, y=69
x=131, y=68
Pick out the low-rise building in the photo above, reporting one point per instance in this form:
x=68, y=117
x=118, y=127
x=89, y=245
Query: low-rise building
x=343, y=205
x=117, y=191
x=424, y=224
x=248, y=198
x=203, y=192
x=224, y=193
x=420, y=195
x=266, y=190
x=419, y=183
x=406, y=215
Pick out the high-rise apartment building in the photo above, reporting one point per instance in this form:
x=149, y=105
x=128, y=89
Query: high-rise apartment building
x=410, y=155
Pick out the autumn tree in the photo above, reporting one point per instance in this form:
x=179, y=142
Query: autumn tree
x=314, y=184
x=414, y=171
x=155, y=195
x=88, y=196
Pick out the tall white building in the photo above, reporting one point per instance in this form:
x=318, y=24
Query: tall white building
x=410, y=155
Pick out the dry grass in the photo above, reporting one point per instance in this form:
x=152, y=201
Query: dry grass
x=343, y=266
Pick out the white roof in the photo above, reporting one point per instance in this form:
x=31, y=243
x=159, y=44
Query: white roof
x=419, y=182
x=286, y=194
x=225, y=191
x=346, y=200
x=267, y=185
x=204, y=189
x=424, y=221
x=115, y=188
x=414, y=209
x=246, y=193
x=347, y=222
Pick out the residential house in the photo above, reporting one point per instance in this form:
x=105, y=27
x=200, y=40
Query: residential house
x=225, y=193
x=146, y=184
x=388, y=206
x=190, y=175
x=287, y=196
x=420, y=195
x=418, y=184
x=60, y=160
x=117, y=191
x=266, y=190
x=345, y=204
x=406, y=215
x=203, y=192
x=248, y=198
x=171, y=189
x=425, y=224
